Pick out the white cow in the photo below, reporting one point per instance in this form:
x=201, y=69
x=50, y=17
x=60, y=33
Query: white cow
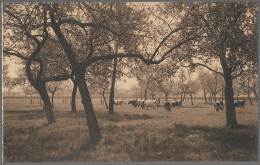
x=149, y=103
x=118, y=102
x=219, y=105
x=176, y=103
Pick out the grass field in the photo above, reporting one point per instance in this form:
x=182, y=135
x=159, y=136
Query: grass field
x=190, y=133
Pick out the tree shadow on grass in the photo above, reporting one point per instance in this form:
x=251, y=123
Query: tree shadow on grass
x=197, y=143
x=23, y=111
x=240, y=143
x=129, y=117
x=126, y=117
x=22, y=131
x=22, y=115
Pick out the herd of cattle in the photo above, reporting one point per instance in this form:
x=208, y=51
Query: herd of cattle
x=144, y=103
x=218, y=105
x=151, y=103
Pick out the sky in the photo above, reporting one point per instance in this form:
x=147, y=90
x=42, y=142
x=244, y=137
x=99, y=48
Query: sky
x=126, y=83
x=13, y=67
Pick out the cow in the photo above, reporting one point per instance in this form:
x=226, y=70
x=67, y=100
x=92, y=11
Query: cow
x=140, y=103
x=239, y=103
x=219, y=105
x=133, y=102
x=176, y=103
x=118, y=102
x=167, y=106
x=149, y=103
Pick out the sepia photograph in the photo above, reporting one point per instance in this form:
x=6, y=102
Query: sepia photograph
x=129, y=82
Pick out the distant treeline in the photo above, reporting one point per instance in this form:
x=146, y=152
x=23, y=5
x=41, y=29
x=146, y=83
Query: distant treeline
x=125, y=97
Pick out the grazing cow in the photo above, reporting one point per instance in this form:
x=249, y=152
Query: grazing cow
x=140, y=103
x=118, y=102
x=239, y=103
x=219, y=105
x=176, y=103
x=167, y=106
x=149, y=103
x=133, y=102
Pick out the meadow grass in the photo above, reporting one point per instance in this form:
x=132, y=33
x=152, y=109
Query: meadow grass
x=130, y=135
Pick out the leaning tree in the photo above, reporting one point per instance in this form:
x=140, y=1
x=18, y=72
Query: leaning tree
x=100, y=24
x=25, y=34
x=106, y=22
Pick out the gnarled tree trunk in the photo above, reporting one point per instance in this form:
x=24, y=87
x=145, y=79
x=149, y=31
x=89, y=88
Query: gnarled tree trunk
x=40, y=86
x=79, y=71
x=92, y=123
x=47, y=106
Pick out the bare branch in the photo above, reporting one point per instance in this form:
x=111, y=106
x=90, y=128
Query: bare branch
x=70, y=20
x=209, y=68
x=164, y=39
x=15, y=53
x=239, y=74
x=179, y=45
x=58, y=78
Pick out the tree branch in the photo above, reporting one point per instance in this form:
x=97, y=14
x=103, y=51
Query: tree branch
x=239, y=74
x=209, y=68
x=57, y=78
x=164, y=39
x=70, y=20
x=180, y=44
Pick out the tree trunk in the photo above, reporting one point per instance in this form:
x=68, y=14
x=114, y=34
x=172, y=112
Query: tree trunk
x=112, y=91
x=73, y=97
x=92, y=123
x=183, y=97
x=40, y=86
x=52, y=100
x=47, y=106
x=205, y=96
x=255, y=93
x=152, y=93
x=105, y=101
x=222, y=95
x=249, y=97
x=229, y=99
x=166, y=96
x=191, y=99
x=145, y=94
x=248, y=91
x=79, y=71
x=231, y=120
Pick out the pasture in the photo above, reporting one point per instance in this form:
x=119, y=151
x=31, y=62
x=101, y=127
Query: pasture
x=190, y=133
